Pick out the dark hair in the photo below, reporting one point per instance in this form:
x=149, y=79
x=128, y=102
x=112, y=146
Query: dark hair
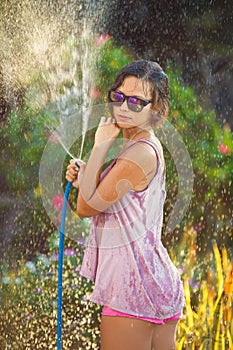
x=149, y=72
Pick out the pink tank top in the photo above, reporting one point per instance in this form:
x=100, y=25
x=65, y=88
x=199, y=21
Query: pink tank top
x=125, y=258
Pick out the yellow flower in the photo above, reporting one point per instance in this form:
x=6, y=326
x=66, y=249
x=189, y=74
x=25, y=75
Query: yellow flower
x=37, y=191
x=175, y=113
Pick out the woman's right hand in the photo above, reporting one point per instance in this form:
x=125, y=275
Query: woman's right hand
x=73, y=173
x=107, y=132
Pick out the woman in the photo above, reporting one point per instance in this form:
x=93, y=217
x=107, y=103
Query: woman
x=134, y=278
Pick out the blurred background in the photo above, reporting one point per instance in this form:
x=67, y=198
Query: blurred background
x=56, y=56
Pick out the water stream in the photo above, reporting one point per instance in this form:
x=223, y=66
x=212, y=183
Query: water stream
x=46, y=53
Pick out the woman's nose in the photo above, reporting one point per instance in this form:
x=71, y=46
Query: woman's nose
x=124, y=106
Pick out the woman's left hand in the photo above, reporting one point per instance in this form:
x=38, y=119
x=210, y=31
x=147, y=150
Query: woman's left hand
x=75, y=174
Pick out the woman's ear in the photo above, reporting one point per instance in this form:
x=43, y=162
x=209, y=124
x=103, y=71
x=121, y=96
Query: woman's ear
x=156, y=119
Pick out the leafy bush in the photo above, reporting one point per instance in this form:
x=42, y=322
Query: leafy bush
x=210, y=148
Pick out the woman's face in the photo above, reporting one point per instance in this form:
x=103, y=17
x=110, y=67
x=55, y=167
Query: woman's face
x=127, y=118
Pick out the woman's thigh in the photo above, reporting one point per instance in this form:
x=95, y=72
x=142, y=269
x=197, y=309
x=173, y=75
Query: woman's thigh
x=126, y=333
x=164, y=336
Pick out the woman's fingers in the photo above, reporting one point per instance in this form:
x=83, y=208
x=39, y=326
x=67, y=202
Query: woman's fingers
x=110, y=120
x=104, y=120
x=71, y=176
x=73, y=170
x=75, y=163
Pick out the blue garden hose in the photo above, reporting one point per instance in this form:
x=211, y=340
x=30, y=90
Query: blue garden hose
x=60, y=263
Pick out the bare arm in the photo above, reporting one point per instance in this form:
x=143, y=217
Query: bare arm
x=133, y=170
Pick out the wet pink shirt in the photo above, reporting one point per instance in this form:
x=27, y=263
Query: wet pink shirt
x=130, y=267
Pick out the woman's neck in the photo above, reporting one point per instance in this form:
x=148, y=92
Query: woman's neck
x=136, y=133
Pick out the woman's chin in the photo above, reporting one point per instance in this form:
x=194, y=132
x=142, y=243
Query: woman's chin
x=124, y=124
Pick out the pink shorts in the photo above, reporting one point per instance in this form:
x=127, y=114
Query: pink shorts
x=110, y=312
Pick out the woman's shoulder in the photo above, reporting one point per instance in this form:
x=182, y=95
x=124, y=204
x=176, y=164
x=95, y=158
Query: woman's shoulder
x=140, y=155
x=152, y=144
x=139, y=149
x=155, y=144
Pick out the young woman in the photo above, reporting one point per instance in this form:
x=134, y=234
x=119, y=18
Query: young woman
x=134, y=278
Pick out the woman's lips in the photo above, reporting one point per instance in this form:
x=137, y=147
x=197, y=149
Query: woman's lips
x=123, y=118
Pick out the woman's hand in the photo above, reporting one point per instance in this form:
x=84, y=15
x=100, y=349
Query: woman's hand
x=73, y=173
x=106, y=132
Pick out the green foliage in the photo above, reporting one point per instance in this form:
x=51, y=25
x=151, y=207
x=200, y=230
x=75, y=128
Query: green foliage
x=110, y=60
x=201, y=133
x=23, y=139
x=210, y=148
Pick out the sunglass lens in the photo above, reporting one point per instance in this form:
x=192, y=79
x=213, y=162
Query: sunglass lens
x=116, y=96
x=135, y=104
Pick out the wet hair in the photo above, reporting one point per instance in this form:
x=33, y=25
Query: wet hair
x=150, y=72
